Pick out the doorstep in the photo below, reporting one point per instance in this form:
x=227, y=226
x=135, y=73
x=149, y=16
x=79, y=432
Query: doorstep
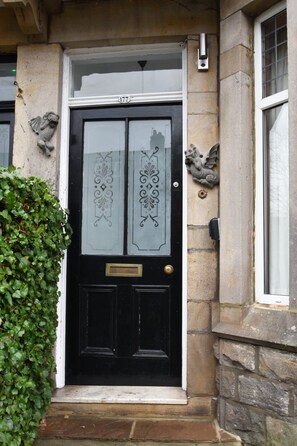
x=120, y=395
x=89, y=431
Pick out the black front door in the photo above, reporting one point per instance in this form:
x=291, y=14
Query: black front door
x=124, y=264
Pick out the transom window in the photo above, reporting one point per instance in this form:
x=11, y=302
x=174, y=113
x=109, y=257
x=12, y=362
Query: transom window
x=272, y=157
x=131, y=75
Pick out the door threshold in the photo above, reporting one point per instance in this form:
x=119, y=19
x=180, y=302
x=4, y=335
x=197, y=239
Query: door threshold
x=120, y=395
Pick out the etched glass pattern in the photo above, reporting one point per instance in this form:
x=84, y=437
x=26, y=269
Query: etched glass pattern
x=4, y=144
x=103, y=187
x=149, y=187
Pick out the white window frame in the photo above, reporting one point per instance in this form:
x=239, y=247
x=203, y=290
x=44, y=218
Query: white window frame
x=262, y=104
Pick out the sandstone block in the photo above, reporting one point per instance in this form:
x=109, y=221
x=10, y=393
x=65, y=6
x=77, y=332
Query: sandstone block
x=198, y=238
x=203, y=103
x=201, y=365
x=238, y=58
x=198, y=317
x=227, y=383
x=238, y=354
x=242, y=36
x=202, y=275
x=261, y=393
x=200, y=211
x=200, y=81
x=246, y=422
x=278, y=365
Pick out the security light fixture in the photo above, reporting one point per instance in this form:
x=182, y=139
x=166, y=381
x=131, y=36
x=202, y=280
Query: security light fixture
x=202, y=53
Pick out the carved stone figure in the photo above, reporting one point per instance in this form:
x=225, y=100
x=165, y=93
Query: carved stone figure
x=45, y=127
x=200, y=165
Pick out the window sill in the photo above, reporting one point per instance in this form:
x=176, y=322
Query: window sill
x=272, y=326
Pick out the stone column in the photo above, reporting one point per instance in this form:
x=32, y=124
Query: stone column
x=202, y=251
x=236, y=161
x=39, y=89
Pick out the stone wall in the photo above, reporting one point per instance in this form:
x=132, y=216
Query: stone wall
x=39, y=79
x=258, y=393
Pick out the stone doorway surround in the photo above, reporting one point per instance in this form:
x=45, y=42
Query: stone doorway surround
x=40, y=84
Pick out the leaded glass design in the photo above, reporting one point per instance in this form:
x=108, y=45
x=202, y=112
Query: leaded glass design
x=149, y=187
x=103, y=187
x=275, y=54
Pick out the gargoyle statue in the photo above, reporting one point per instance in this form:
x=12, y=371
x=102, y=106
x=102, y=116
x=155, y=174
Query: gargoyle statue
x=200, y=165
x=45, y=127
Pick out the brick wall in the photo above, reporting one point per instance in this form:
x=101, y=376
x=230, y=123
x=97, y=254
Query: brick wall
x=258, y=393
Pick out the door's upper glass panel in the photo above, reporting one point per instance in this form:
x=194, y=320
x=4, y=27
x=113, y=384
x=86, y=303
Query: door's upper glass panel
x=7, y=79
x=103, y=187
x=149, y=194
x=126, y=75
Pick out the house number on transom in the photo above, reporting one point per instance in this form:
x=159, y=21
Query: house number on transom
x=124, y=99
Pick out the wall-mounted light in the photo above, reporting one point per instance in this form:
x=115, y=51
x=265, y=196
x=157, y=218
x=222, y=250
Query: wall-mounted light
x=202, y=53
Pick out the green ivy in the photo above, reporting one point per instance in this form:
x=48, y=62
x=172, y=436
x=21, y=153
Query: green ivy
x=33, y=236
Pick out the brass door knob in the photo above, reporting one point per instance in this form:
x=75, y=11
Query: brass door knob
x=168, y=269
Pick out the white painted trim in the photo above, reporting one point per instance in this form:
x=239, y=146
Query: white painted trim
x=67, y=104
x=131, y=50
x=185, y=224
x=63, y=196
x=273, y=100
x=275, y=9
x=133, y=99
x=262, y=104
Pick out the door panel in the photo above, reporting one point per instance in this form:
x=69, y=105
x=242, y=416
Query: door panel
x=123, y=310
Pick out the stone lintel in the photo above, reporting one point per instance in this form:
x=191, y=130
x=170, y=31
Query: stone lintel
x=250, y=7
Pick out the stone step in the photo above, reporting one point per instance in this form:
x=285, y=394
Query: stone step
x=91, y=431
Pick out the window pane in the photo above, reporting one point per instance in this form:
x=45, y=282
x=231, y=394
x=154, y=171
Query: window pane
x=7, y=79
x=149, y=187
x=4, y=144
x=127, y=75
x=275, y=54
x=103, y=187
x=276, y=201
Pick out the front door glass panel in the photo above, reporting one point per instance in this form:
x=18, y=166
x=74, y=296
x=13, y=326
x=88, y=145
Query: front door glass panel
x=145, y=191
x=103, y=187
x=149, y=187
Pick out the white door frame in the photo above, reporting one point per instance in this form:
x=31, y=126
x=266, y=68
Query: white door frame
x=67, y=105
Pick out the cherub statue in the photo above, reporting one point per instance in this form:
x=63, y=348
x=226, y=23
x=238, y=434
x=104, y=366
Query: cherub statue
x=45, y=127
x=200, y=165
